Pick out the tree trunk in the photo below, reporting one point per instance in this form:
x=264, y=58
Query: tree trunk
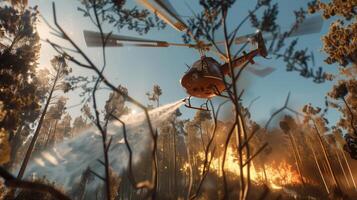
x=349, y=169
x=190, y=170
x=37, y=131
x=319, y=168
x=15, y=145
x=202, y=140
x=170, y=169
x=49, y=134
x=328, y=161
x=343, y=169
x=296, y=157
x=174, y=151
x=53, y=141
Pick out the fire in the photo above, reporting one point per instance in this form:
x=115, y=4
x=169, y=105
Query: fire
x=276, y=175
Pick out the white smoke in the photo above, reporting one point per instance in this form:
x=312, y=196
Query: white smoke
x=65, y=162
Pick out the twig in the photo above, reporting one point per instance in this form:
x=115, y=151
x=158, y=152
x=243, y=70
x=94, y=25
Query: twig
x=252, y=157
x=97, y=175
x=243, y=186
x=225, y=184
x=252, y=102
x=130, y=161
x=278, y=111
x=207, y=162
x=352, y=116
x=90, y=65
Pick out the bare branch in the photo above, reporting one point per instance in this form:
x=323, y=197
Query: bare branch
x=97, y=175
x=278, y=111
x=225, y=184
x=12, y=182
x=256, y=153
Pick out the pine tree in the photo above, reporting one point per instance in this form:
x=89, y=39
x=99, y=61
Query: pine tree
x=155, y=94
x=78, y=125
x=19, y=52
x=340, y=45
x=115, y=104
x=61, y=70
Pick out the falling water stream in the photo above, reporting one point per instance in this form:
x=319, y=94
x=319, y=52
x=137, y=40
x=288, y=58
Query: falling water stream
x=66, y=161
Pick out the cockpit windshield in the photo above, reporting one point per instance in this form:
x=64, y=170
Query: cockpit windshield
x=206, y=65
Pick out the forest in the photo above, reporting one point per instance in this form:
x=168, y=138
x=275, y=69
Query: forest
x=117, y=146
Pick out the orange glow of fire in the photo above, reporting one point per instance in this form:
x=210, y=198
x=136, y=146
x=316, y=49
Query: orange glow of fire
x=277, y=174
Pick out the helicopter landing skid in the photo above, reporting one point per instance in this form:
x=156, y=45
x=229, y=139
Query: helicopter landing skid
x=203, y=107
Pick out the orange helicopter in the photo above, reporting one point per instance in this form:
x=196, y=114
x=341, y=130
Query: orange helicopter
x=204, y=78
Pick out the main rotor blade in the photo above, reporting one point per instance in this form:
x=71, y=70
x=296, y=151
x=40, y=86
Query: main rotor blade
x=94, y=39
x=310, y=25
x=166, y=12
x=262, y=72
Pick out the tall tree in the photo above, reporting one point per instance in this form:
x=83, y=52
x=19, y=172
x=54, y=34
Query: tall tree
x=66, y=125
x=28, y=118
x=100, y=11
x=120, y=14
x=155, y=94
x=53, y=117
x=340, y=45
x=115, y=103
x=19, y=48
x=61, y=70
x=78, y=125
x=19, y=52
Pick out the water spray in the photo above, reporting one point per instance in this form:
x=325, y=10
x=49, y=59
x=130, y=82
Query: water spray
x=66, y=161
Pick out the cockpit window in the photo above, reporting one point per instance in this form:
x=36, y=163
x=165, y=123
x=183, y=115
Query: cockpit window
x=206, y=65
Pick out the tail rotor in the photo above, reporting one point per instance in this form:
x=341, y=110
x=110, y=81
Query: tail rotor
x=258, y=38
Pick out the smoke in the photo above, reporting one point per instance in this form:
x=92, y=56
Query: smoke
x=65, y=162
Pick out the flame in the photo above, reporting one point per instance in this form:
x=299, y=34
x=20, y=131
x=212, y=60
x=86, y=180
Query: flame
x=276, y=175
x=275, y=187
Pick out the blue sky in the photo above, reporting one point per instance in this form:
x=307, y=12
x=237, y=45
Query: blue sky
x=139, y=69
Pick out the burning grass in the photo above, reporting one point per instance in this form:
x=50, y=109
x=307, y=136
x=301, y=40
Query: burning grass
x=274, y=174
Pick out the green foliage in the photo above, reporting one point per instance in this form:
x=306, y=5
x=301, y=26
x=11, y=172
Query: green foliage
x=19, y=51
x=340, y=42
x=118, y=14
x=340, y=45
x=55, y=112
x=268, y=21
x=22, y=90
x=295, y=59
x=115, y=103
x=154, y=96
x=52, y=128
x=65, y=126
x=78, y=124
x=204, y=24
x=202, y=115
x=298, y=60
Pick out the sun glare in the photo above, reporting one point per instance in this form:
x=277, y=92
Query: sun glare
x=133, y=112
x=43, y=30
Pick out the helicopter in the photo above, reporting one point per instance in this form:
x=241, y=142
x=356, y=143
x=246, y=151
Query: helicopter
x=204, y=79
